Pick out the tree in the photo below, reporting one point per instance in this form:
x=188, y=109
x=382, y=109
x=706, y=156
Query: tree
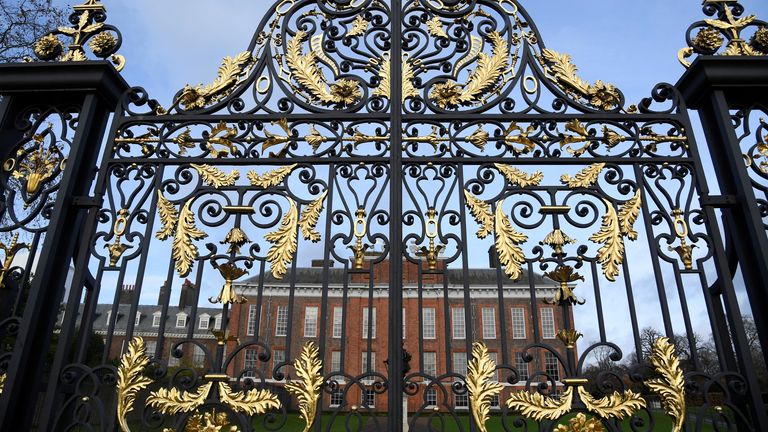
x=22, y=22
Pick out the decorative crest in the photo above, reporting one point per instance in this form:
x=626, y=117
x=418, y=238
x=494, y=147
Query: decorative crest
x=89, y=29
x=726, y=33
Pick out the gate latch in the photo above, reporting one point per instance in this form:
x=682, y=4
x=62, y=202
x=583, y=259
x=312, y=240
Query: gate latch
x=717, y=201
x=87, y=201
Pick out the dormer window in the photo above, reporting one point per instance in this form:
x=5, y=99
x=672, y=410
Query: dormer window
x=181, y=320
x=205, y=321
x=156, y=319
x=138, y=318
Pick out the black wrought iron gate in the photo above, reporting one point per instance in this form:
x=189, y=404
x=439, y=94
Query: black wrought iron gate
x=387, y=216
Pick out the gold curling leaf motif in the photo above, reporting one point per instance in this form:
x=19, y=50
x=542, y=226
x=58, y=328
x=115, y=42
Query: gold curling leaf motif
x=628, y=214
x=309, y=217
x=235, y=238
x=517, y=177
x=489, y=69
x=130, y=380
x=521, y=138
x=478, y=138
x=580, y=423
x=611, y=254
x=216, y=177
x=670, y=386
x=251, y=402
x=270, y=178
x=481, y=389
x=600, y=95
x=231, y=72
x=584, y=178
x=481, y=211
x=173, y=401
x=307, y=387
x=617, y=405
x=540, y=407
x=184, y=250
x=283, y=242
x=507, y=243
x=435, y=27
x=359, y=25
x=169, y=216
x=385, y=84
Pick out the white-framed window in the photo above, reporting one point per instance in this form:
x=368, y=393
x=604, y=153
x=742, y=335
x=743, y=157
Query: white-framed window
x=156, y=319
x=335, y=361
x=428, y=325
x=281, y=323
x=489, y=323
x=204, y=322
x=338, y=315
x=310, y=321
x=521, y=366
x=365, y=365
x=460, y=363
x=430, y=397
x=495, y=357
x=369, y=398
x=551, y=365
x=181, y=320
x=251, y=325
x=337, y=397
x=547, y=323
x=217, y=322
x=278, y=356
x=251, y=360
x=109, y=315
x=138, y=318
x=198, y=356
x=459, y=325
x=430, y=363
x=403, y=323
x=151, y=348
x=369, y=319
x=518, y=323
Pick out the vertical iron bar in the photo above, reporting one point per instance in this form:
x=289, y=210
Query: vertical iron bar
x=396, y=414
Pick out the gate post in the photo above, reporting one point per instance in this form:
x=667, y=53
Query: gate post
x=94, y=89
x=714, y=86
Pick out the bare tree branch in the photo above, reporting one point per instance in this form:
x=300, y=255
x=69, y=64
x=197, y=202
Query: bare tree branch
x=22, y=22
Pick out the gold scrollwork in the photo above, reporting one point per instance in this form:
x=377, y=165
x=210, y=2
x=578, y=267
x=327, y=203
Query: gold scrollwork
x=360, y=230
x=480, y=386
x=216, y=177
x=117, y=248
x=540, y=407
x=284, y=242
x=616, y=405
x=130, y=379
x=517, y=177
x=11, y=249
x=310, y=216
x=307, y=387
x=670, y=386
x=684, y=249
x=584, y=178
x=270, y=178
x=481, y=211
x=432, y=251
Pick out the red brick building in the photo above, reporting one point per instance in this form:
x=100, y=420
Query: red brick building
x=438, y=328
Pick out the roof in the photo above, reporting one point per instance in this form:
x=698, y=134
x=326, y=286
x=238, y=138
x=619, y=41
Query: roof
x=145, y=321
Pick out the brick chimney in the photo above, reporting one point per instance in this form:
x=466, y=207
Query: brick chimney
x=126, y=294
x=187, y=295
x=164, y=292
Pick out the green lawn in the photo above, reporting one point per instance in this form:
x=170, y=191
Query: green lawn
x=295, y=424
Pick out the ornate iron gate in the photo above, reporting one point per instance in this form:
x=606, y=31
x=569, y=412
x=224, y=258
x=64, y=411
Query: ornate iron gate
x=380, y=216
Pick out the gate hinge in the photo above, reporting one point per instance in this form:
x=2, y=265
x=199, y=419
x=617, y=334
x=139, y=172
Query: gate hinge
x=87, y=201
x=717, y=201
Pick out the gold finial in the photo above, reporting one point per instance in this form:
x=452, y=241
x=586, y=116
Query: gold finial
x=564, y=275
x=117, y=249
x=683, y=249
x=569, y=337
x=360, y=230
x=102, y=39
x=432, y=251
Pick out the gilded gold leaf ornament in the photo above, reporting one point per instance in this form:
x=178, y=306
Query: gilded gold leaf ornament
x=231, y=72
x=540, y=407
x=314, y=139
x=478, y=138
x=270, y=178
x=310, y=216
x=481, y=388
x=508, y=242
x=235, y=238
x=481, y=211
x=557, y=239
x=616, y=405
x=585, y=178
x=600, y=95
x=385, y=82
x=222, y=136
x=283, y=242
x=517, y=177
x=309, y=381
x=169, y=216
x=130, y=379
x=522, y=137
x=628, y=214
x=435, y=27
x=580, y=423
x=184, y=250
x=359, y=26
x=216, y=177
x=230, y=272
x=251, y=402
x=670, y=386
x=564, y=275
x=611, y=253
x=172, y=401
x=569, y=337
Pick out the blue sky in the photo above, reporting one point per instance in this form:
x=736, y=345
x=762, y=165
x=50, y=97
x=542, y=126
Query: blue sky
x=632, y=44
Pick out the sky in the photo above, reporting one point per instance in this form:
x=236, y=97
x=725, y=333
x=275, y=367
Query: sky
x=632, y=44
